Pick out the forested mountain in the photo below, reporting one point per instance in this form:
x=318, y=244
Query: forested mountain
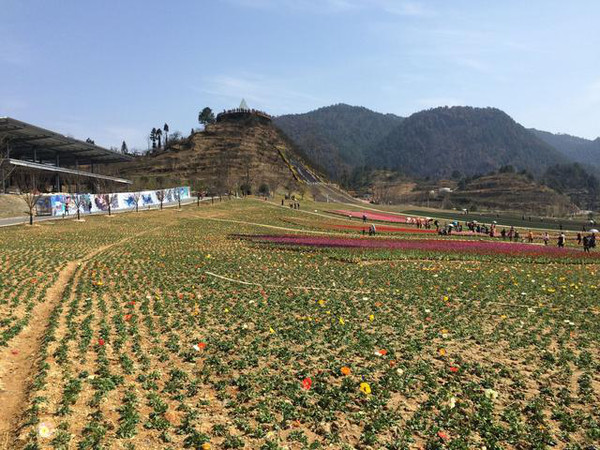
x=578, y=149
x=440, y=141
x=436, y=142
x=335, y=137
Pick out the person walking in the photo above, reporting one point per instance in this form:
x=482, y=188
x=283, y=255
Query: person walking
x=579, y=239
x=586, y=244
x=530, y=237
x=546, y=238
x=561, y=240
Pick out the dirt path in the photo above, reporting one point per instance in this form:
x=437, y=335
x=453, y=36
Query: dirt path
x=17, y=362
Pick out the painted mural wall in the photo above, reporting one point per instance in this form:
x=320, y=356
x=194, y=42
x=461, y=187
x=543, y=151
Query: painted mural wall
x=65, y=204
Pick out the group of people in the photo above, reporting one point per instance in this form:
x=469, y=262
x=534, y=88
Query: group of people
x=457, y=227
x=294, y=204
x=588, y=241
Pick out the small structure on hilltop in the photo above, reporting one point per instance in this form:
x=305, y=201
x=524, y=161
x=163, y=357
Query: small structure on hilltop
x=243, y=112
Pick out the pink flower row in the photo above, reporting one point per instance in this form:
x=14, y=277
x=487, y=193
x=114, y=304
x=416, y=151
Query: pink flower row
x=373, y=216
x=435, y=245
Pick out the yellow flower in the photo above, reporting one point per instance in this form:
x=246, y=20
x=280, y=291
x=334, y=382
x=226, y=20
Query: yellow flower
x=271, y=330
x=342, y=321
x=208, y=256
x=365, y=388
x=445, y=298
x=371, y=317
x=442, y=351
x=205, y=446
x=321, y=302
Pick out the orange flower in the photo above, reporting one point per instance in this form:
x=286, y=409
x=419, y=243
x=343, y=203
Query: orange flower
x=345, y=370
x=383, y=352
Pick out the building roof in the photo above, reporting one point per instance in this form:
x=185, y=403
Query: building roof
x=63, y=170
x=25, y=138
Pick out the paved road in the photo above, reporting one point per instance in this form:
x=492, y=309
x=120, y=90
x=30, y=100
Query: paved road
x=11, y=221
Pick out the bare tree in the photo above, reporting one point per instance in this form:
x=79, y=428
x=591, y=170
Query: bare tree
x=30, y=199
x=177, y=193
x=160, y=195
x=136, y=199
x=105, y=187
x=29, y=193
x=79, y=201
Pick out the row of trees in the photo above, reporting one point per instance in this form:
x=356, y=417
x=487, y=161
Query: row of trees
x=156, y=136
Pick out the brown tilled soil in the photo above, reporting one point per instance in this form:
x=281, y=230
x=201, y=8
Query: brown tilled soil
x=17, y=361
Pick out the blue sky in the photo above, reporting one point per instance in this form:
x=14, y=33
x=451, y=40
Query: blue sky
x=112, y=70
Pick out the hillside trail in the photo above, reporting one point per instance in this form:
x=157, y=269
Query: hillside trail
x=17, y=362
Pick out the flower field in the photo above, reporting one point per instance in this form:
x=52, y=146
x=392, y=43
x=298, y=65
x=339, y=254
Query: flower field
x=382, y=217
x=481, y=247
x=231, y=326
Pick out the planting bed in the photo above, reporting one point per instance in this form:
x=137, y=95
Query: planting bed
x=166, y=331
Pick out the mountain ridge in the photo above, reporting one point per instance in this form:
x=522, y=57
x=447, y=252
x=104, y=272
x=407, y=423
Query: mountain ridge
x=334, y=136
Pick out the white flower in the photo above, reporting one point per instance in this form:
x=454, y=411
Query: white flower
x=427, y=311
x=45, y=430
x=491, y=394
x=399, y=371
x=196, y=347
x=452, y=402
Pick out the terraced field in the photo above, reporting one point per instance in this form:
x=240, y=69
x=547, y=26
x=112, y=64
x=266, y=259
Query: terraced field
x=205, y=328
